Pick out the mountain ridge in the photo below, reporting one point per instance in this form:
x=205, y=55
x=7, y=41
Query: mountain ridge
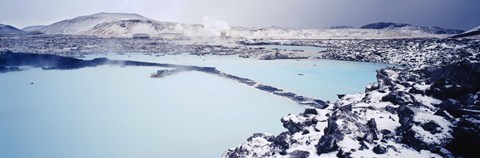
x=126, y=24
x=472, y=33
x=7, y=29
x=404, y=26
x=33, y=28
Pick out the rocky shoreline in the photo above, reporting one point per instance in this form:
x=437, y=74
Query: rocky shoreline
x=430, y=107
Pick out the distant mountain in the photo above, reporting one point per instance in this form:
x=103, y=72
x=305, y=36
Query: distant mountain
x=126, y=25
x=33, y=28
x=403, y=26
x=84, y=24
x=341, y=27
x=473, y=33
x=7, y=29
x=384, y=25
x=126, y=28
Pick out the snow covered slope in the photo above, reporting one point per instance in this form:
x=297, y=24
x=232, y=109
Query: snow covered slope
x=284, y=33
x=125, y=25
x=474, y=29
x=82, y=25
x=402, y=26
x=33, y=28
x=7, y=29
x=473, y=33
x=126, y=28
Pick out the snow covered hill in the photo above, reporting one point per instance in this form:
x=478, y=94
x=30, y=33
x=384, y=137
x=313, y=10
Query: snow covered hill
x=402, y=26
x=33, y=28
x=125, y=25
x=84, y=24
x=474, y=29
x=7, y=29
x=473, y=33
x=126, y=28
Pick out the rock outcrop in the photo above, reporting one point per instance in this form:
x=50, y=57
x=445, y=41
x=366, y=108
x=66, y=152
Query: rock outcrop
x=440, y=118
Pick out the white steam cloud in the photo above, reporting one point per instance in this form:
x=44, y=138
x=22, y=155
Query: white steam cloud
x=215, y=27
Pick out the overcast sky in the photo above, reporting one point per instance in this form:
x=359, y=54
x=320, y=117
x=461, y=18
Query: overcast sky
x=460, y=14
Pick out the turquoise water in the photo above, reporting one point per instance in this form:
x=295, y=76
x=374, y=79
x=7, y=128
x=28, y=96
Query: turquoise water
x=322, y=79
x=111, y=111
x=122, y=112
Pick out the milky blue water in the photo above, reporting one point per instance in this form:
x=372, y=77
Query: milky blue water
x=122, y=112
x=322, y=79
x=111, y=111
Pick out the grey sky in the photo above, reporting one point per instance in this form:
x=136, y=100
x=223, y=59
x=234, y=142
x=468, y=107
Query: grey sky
x=460, y=14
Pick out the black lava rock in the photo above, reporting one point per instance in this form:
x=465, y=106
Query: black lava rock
x=469, y=99
x=281, y=141
x=386, y=135
x=378, y=149
x=432, y=127
x=291, y=126
x=363, y=146
x=333, y=129
x=267, y=88
x=417, y=90
x=398, y=98
x=449, y=104
x=299, y=154
x=452, y=106
x=391, y=109
x=405, y=114
x=372, y=124
x=347, y=108
x=327, y=143
x=444, y=152
x=466, y=137
x=444, y=114
x=310, y=111
x=409, y=137
x=343, y=154
x=456, y=80
x=372, y=133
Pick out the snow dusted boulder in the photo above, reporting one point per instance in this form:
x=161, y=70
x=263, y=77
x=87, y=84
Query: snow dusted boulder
x=332, y=135
x=327, y=143
x=300, y=154
x=295, y=123
x=378, y=149
x=258, y=146
x=398, y=98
